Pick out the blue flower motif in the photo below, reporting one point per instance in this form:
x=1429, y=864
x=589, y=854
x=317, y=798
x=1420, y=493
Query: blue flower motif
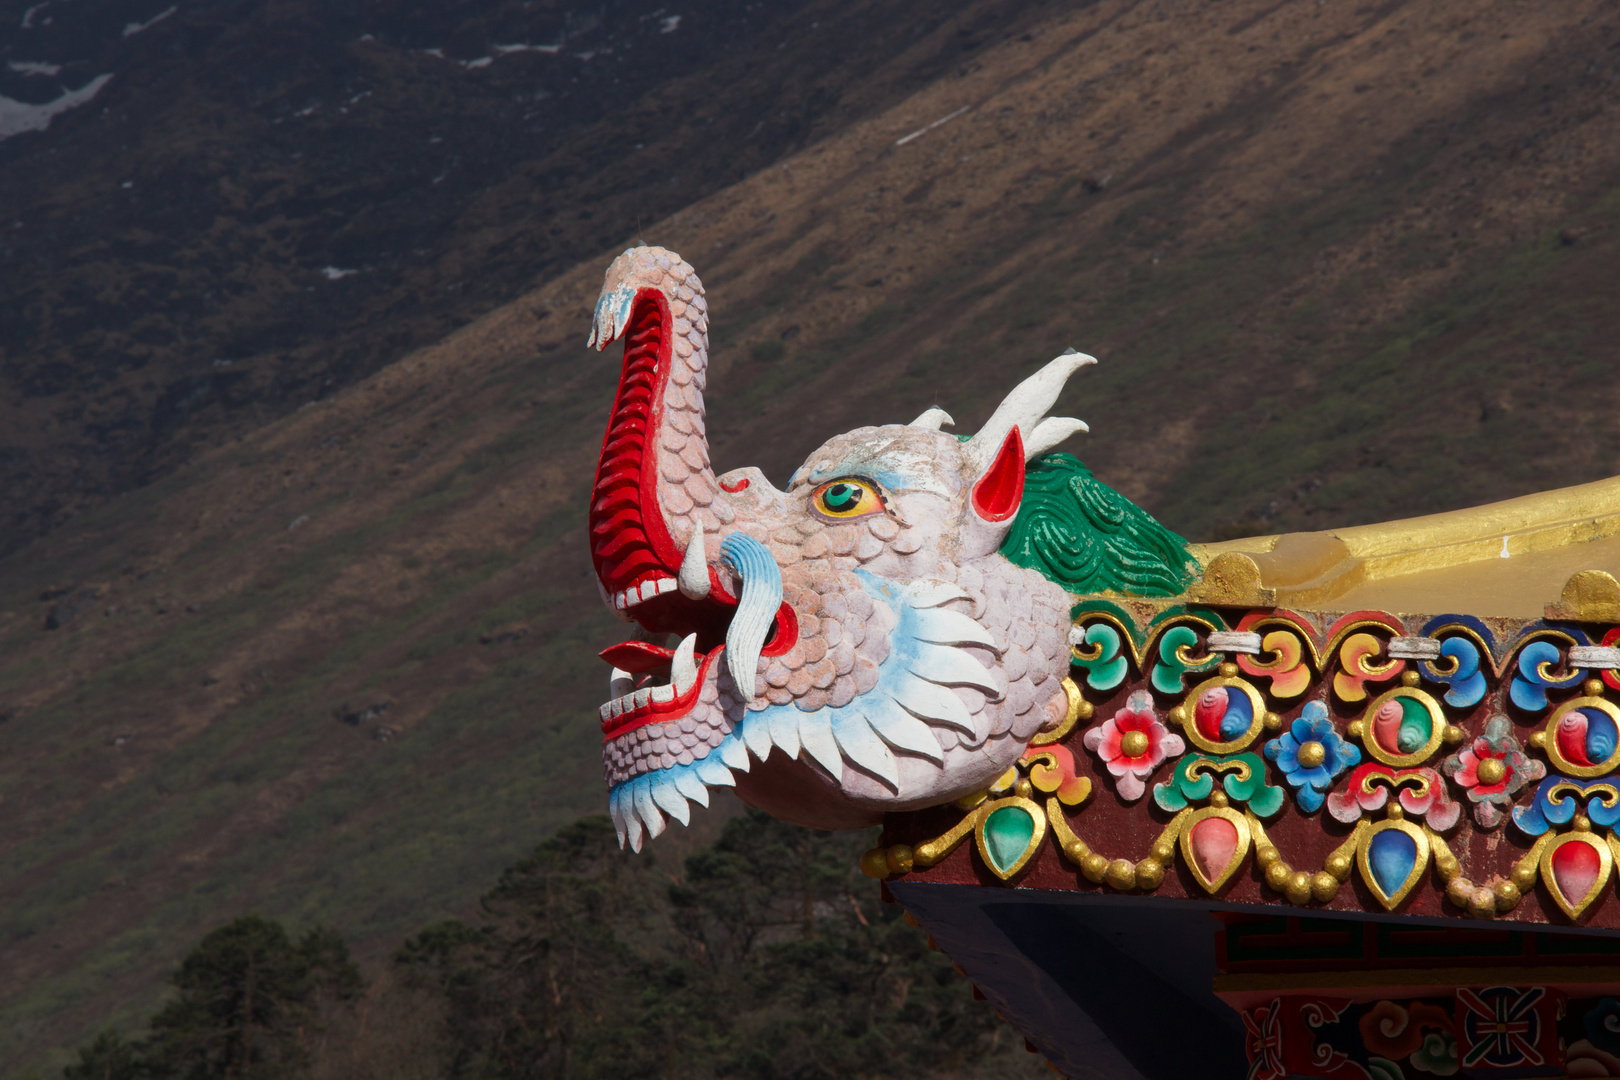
x=1310, y=754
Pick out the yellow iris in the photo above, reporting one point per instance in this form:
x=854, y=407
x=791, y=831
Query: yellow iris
x=846, y=497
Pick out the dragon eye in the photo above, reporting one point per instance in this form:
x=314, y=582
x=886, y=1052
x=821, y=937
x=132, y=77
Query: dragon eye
x=846, y=498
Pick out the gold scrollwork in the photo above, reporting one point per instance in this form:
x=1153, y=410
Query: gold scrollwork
x=1079, y=709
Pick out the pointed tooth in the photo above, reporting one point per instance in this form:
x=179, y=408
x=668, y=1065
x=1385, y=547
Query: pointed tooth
x=756, y=731
x=620, y=683
x=683, y=667
x=862, y=746
x=930, y=701
x=903, y=731
x=694, y=575
x=785, y=730
x=818, y=741
x=646, y=808
x=632, y=823
x=616, y=811
x=686, y=778
x=946, y=627
x=669, y=797
x=948, y=666
x=929, y=593
x=713, y=772
x=734, y=753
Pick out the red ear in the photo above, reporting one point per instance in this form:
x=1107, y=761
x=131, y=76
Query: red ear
x=999, y=491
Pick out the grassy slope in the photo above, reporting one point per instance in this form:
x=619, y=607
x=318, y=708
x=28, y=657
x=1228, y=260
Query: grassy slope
x=1339, y=266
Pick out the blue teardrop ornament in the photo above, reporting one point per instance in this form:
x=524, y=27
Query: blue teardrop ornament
x=1391, y=855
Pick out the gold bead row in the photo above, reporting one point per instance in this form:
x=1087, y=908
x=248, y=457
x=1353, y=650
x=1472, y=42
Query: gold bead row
x=1301, y=886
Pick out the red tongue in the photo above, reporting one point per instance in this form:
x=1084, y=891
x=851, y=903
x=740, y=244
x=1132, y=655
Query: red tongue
x=637, y=657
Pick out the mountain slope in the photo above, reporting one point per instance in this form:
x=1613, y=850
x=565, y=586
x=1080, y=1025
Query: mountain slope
x=255, y=204
x=1339, y=265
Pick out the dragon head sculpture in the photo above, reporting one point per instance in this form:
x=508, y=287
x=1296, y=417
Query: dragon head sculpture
x=885, y=634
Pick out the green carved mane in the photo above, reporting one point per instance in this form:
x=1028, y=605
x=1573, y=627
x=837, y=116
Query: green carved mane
x=1088, y=538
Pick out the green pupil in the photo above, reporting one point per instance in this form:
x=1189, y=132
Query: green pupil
x=842, y=496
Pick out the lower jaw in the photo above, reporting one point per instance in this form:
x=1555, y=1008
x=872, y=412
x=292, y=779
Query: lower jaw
x=653, y=711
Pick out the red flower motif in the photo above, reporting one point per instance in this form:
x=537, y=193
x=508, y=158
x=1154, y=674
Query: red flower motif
x=1505, y=767
x=1133, y=744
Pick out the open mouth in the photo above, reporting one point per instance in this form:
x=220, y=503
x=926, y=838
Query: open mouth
x=670, y=592
x=650, y=680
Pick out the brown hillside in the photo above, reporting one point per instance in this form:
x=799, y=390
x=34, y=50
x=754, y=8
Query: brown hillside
x=1339, y=263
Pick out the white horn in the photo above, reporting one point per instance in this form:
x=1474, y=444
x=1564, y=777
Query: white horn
x=1049, y=433
x=1025, y=407
x=933, y=419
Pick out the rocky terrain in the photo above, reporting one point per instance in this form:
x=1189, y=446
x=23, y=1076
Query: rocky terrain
x=296, y=614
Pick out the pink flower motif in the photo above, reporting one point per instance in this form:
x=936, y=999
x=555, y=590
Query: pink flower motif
x=1133, y=744
x=1498, y=756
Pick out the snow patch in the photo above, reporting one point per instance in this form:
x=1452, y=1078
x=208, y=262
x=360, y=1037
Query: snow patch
x=33, y=67
x=28, y=16
x=549, y=50
x=334, y=274
x=937, y=123
x=131, y=29
x=474, y=65
x=669, y=24
x=17, y=117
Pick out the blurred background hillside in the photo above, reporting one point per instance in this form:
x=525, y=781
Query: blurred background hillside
x=297, y=426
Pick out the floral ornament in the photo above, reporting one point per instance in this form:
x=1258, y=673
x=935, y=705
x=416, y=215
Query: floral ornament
x=1492, y=770
x=1421, y=793
x=1133, y=744
x=1310, y=754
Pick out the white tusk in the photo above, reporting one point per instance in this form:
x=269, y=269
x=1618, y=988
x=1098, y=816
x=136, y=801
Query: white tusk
x=683, y=668
x=620, y=683
x=694, y=576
